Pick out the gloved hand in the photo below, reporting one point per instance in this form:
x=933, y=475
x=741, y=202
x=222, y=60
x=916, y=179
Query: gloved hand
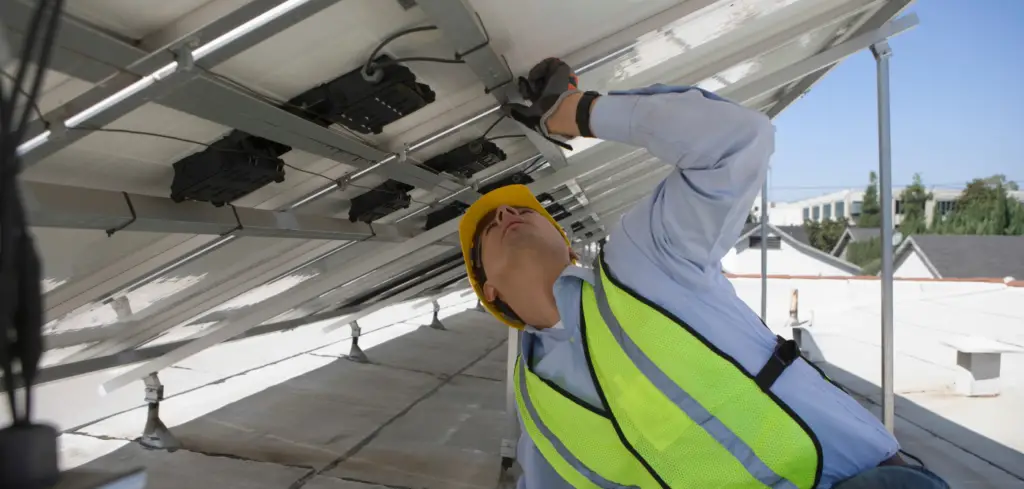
x=547, y=83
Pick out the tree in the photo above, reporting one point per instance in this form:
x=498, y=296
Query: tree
x=825, y=235
x=984, y=207
x=863, y=252
x=913, y=200
x=870, y=211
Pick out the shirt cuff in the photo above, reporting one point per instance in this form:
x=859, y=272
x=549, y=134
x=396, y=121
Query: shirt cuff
x=612, y=117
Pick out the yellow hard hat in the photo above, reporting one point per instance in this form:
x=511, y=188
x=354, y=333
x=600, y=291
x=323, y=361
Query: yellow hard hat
x=510, y=195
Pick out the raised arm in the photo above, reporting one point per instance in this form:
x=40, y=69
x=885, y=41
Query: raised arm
x=721, y=149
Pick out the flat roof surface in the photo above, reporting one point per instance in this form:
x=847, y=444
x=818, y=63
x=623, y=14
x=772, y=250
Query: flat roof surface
x=428, y=412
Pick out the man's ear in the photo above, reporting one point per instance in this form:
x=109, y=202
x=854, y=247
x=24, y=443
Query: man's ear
x=490, y=292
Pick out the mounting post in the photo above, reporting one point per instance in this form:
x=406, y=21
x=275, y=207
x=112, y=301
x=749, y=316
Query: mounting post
x=436, y=323
x=480, y=306
x=156, y=436
x=764, y=251
x=882, y=53
x=510, y=437
x=355, y=353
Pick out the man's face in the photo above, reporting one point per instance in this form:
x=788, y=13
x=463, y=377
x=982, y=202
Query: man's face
x=514, y=242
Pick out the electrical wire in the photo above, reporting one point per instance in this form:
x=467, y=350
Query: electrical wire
x=350, y=184
x=536, y=162
x=493, y=125
x=22, y=91
x=510, y=136
x=21, y=310
x=369, y=66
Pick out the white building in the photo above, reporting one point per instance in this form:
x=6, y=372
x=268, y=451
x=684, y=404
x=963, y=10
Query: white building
x=847, y=204
x=789, y=253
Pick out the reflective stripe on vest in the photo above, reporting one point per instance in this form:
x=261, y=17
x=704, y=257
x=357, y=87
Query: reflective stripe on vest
x=691, y=414
x=589, y=437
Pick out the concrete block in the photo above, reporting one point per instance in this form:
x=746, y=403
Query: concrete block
x=475, y=323
x=324, y=482
x=452, y=439
x=312, y=419
x=429, y=350
x=182, y=469
x=490, y=367
x=308, y=421
x=77, y=450
x=810, y=350
x=977, y=374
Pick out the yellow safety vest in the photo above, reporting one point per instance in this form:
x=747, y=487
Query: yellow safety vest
x=677, y=411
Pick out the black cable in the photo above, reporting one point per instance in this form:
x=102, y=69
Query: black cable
x=537, y=162
x=368, y=67
x=510, y=136
x=412, y=59
x=337, y=181
x=158, y=135
x=493, y=125
x=21, y=310
x=35, y=106
x=49, y=38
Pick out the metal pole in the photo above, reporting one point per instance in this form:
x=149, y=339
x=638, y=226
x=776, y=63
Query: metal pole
x=764, y=251
x=510, y=437
x=882, y=53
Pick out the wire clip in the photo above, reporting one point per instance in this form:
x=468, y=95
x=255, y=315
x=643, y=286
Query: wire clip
x=131, y=208
x=183, y=55
x=238, y=222
x=403, y=155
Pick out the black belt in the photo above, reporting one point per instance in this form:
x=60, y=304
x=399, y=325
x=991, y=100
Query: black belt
x=785, y=353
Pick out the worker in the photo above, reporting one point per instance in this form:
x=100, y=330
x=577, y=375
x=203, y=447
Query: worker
x=646, y=370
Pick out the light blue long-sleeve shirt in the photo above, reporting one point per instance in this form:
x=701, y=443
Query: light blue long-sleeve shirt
x=668, y=248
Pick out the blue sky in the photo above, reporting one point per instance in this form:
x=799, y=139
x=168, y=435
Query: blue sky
x=957, y=84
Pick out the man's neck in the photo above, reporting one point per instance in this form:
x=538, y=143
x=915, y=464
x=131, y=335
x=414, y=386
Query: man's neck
x=537, y=299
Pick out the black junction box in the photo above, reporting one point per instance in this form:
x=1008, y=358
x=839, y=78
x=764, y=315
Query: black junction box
x=363, y=106
x=231, y=168
x=445, y=214
x=467, y=159
x=380, y=201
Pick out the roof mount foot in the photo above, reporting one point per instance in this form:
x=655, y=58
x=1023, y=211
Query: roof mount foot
x=436, y=323
x=480, y=306
x=355, y=354
x=156, y=435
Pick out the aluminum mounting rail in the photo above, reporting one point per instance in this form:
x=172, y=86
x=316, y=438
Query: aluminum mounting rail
x=49, y=205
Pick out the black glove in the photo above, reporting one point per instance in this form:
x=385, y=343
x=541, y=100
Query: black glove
x=546, y=83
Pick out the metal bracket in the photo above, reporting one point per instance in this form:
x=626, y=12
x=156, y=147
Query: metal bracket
x=403, y=154
x=355, y=353
x=436, y=323
x=881, y=50
x=183, y=54
x=155, y=435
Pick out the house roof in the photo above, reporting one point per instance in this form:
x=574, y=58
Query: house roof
x=853, y=234
x=798, y=240
x=795, y=232
x=861, y=234
x=968, y=256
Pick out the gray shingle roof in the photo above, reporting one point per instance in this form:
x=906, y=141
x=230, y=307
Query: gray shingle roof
x=974, y=256
x=862, y=234
x=796, y=232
